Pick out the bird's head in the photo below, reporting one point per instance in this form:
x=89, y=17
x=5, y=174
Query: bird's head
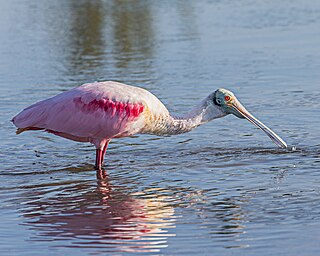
x=226, y=102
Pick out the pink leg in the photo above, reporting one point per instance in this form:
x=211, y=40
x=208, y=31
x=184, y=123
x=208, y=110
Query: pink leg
x=98, y=159
x=104, y=150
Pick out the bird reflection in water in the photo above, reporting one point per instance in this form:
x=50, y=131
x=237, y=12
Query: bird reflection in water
x=105, y=217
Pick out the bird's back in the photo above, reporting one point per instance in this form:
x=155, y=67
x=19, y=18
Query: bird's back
x=96, y=110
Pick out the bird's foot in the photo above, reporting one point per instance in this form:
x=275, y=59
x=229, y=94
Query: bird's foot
x=101, y=174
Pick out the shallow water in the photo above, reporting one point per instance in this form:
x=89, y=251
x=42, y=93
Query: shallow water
x=224, y=188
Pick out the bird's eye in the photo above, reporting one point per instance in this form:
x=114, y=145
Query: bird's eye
x=227, y=98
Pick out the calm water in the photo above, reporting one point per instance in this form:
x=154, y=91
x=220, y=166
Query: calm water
x=224, y=188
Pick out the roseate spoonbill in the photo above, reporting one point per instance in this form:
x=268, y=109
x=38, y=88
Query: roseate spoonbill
x=100, y=111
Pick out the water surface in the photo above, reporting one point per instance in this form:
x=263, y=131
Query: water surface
x=222, y=189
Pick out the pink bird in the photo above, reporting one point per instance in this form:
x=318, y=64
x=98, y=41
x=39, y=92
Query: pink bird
x=101, y=111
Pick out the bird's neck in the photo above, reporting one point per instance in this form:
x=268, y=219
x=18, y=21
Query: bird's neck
x=176, y=124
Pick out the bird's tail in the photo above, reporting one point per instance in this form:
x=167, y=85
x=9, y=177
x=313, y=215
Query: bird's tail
x=20, y=130
x=31, y=118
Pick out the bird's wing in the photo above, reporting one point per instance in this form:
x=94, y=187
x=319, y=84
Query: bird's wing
x=96, y=110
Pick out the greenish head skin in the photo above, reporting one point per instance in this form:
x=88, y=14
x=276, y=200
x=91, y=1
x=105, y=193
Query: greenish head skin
x=227, y=102
x=225, y=99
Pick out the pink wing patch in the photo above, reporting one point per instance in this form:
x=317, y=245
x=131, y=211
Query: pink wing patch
x=109, y=106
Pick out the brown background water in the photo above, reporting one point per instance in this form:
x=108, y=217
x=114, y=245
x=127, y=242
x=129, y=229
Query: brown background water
x=224, y=188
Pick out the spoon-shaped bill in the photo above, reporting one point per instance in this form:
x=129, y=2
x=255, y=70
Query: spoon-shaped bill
x=241, y=111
